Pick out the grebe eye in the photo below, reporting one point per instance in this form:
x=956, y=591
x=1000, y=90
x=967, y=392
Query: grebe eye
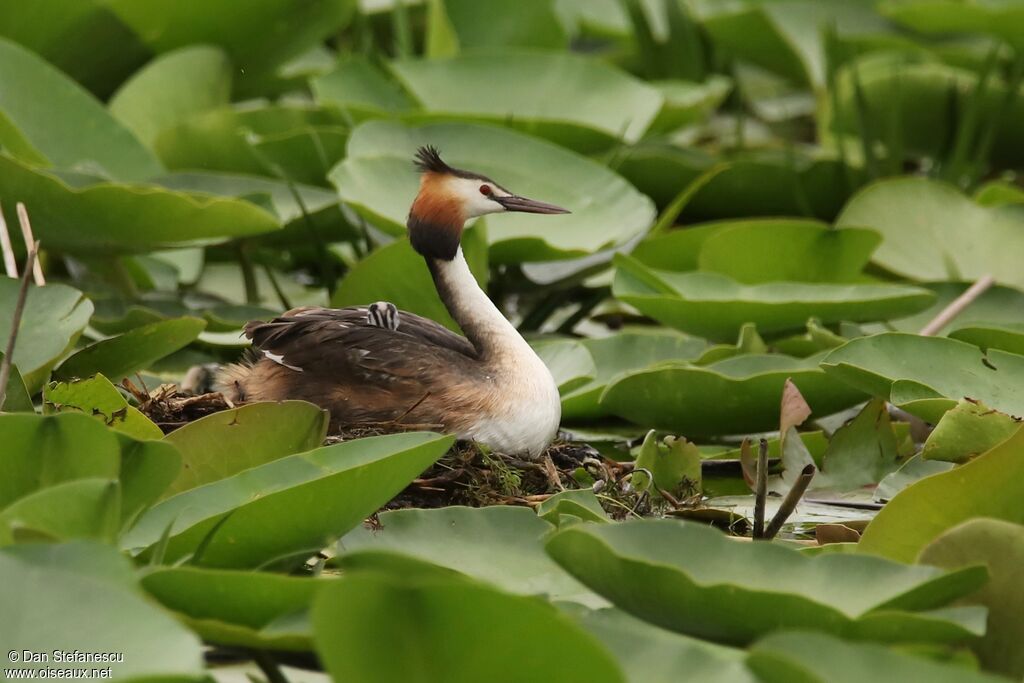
x=485, y=190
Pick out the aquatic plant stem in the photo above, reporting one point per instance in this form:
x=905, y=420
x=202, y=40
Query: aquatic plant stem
x=957, y=306
x=761, y=491
x=19, y=309
x=790, y=501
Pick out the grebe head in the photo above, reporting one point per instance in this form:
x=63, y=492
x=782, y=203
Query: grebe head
x=448, y=197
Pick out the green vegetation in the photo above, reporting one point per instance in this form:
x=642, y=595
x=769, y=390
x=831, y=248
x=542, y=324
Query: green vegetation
x=774, y=205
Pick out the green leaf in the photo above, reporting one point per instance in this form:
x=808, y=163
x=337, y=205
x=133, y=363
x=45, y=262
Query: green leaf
x=17, y=399
x=581, y=103
x=819, y=658
x=1000, y=546
x=967, y=430
x=65, y=124
x=238, y=608
x=733, y=396
x=473, y=25
x=147, y=469
x=377, y=180
x=453, y=629
x=96, y=396
x=648, y=653
x=581, y=503
x=288, y=509
x=254, y=435
x=861, y=452
x=692, y=579
x=41, y=451
x=1005, y=336
x=82, y=596
x=84, y=508
x=991, y=485
x=257, y=40
x=715, y=306
x=103, y=218
x=909, y=370
x=499, y=544
x=137, y=349
x=362, y=90
x=933, y=232
x=54, y=317
x=569, y=362
x=171, y=88
x=1003, y=19
x=623, y=352
x=771, y=250
x=675, y=465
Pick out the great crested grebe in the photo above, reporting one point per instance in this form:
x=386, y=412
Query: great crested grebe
x=374, y=364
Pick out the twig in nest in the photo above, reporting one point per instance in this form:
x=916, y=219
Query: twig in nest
x=26, y=233
x=790, y=501
x=19, y=309
x=957, y=306
x=761, y=490
x=414, y=407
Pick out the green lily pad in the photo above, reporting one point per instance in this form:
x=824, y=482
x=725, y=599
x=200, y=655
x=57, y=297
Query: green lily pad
x=137, y=349
x=91, y=587
x=104, y=218
x=928, y=375
x=96, y=396
x=771, y=250
x=661, y=170
x=284, y=511
x=1004, y=336
x=254, y=435
x=172, y=88
x=1000, y=546
x=41, y=451
x=620, y=353
x=692, y=579
x=716, y=307
x=1003, y=19
x=378, y=181
x=362, y=90
x=54, y=120
x=569, y=361
x=990, y=485
x=458, y=25
x=581, y=102
x=734, y=396
x=819, y=658
x=17, y=399
x=499, y=544
x=258, y=40
x=238, y=608
x=968, y=430
x=463, y=632
x=933, y=232
x=54, y=317
x=577, y=503
x=83, y=508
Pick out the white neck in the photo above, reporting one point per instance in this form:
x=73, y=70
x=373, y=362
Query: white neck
x=491, y=334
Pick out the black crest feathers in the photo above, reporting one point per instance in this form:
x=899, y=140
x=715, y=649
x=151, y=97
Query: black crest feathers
x=428, y=160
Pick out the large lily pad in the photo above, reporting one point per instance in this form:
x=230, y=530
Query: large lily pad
x=461, y=630
x=58, y=122
x=501, y=545
x=379, y=182
x=569, y=361
x=54, y=317
x=456, y=25
x=819, y=658
x=691, y=579
x=82, y=596
x=578, y=101
x=715, y=306
x=1004, y=336
x=238, y=608
x=360, y=89
x=933, y=232
x=1000, y=546
x=104, y=218
x=733, y=396
x=991, y=485
x=928, y=375
x=288, y=509
x=254, y=435
x=171, y=88
x=83, y=508
x=137, y=349
x=620, y=353
x=96, y=396
x=1003, y=19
